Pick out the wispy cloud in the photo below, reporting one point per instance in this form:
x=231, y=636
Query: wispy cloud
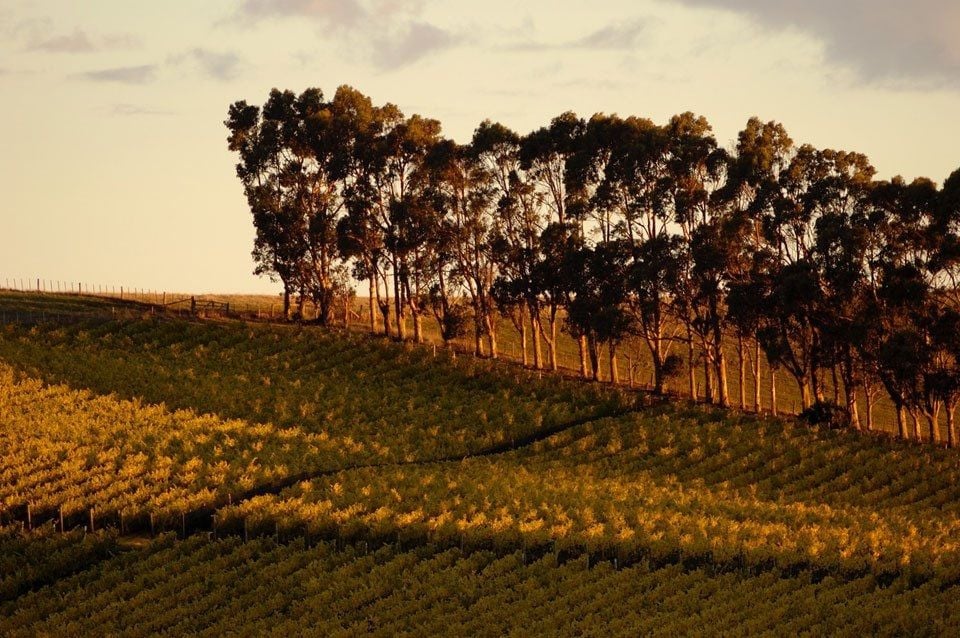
x=142, y=74
x=614, y=37
x=390, y=34
x=79, y=41
x=416, y=42
x=76, y=42
x=221, y=66
x=128, y=110
x=902, y=44
x=334, y=12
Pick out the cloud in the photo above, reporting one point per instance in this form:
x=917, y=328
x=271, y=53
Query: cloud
x=76, y=42
x=335, y=12
x=390, y=34
x=419, y=40
x=218, y=66
x=903, y=44
x=123, y=75
x=80, y=42
x=614, y=37
x=126, y=110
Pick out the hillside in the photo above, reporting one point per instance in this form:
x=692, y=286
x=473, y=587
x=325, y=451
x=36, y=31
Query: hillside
x=333, y=482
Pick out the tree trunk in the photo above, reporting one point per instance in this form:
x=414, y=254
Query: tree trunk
x=535, y=330
x=804, y=388
x=773, y=392
x=868, y=398
x=707, y=378
x=286, y=303
x=398, y=307
x=522, y=329
x=554, y=365
x=916, y=425
x=477, y=330
x=614, y=372
x=723, y=393
x=691, y=372
x=742, y=372
x=836, y=385
x=594, y=348
x=932, y=428
x=491, y=335
x=756, y=377
x=417, y=326
x=902, y=422
x=582, y=343
x=852, y=411
x=951, y=430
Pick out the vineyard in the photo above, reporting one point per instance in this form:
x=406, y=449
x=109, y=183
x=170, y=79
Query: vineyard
x=200, y=477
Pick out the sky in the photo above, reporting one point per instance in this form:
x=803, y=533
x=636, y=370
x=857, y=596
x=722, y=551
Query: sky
x=114, y=168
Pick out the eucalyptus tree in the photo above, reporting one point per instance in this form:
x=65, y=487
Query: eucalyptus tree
x=544, y=156
x=462, y=185
x=689, y=191
x=762, y=153
x=598, y=308
x=613, y=183
x=515, y=227
x=845, y=229
x=285, y=168
x=400, y=151
x=355, y=125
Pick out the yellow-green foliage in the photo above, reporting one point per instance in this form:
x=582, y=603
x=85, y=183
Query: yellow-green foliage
x=260, y=588
x=657, y=483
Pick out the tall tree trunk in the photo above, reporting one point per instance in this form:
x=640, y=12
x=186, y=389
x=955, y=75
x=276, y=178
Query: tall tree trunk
x=951, y=428
x=719, y=357
x=836, y=385
x=398, y=307
x=491, y=334
x=804, y=387
x=742, y=372
x=850, y=392
x=371, y=307
x=286, y=303
x=552, y=341
x=535, y=330
x=707, y=378
x=756, y=376
x=522, y=329
x=477, y=329
x=691, y=371
x=614, y=371
x=594, y=348
x=417, y=326
x=902, y=422
x=773, y=392
x=723, y=394
x=916, y=425
x=582, y=343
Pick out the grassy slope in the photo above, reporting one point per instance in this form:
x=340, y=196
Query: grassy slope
x=720, y=504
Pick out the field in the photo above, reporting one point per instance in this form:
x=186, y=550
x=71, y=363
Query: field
x=206, y=477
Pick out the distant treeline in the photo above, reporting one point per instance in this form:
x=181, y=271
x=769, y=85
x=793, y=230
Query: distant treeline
x=611, y=228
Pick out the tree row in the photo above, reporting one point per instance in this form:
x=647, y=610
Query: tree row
x=613, y=228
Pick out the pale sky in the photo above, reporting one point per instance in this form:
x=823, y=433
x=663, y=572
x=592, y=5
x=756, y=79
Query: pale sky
x=113, y=161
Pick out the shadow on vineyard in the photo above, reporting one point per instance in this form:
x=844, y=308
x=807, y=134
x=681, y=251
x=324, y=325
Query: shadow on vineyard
x=216, y=443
